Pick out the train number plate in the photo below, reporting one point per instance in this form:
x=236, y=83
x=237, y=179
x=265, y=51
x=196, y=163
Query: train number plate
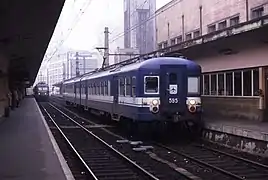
x=173, y=100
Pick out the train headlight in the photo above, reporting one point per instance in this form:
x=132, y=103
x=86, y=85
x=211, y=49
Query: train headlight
x=155, y=102
x=192, y=102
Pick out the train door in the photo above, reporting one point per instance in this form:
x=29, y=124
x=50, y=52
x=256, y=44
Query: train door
x=173, y=88
x=75, y=92
x=115, y=94
x=86, y=91
x=81, y=92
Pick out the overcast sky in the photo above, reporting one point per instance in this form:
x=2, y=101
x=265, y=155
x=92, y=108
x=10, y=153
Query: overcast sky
x=88, y=32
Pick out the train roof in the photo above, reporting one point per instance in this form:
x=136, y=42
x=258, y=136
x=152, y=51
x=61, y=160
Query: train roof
x=152, y=63
x=42, y=84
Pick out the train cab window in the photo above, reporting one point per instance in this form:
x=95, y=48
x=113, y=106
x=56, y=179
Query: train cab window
x=172, y=78
x=193, y=85
x=151, y=84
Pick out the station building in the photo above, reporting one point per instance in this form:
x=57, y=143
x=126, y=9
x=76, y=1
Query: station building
x=229, y=39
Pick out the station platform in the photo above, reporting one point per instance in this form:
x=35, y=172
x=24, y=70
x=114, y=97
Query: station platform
x=247, y=136
x=28, y=150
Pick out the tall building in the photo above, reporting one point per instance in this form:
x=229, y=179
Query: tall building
x=139, y=25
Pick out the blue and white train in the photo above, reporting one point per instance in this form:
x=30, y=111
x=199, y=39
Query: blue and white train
x=162, y=89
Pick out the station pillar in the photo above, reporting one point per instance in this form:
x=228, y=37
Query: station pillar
x=4, y=85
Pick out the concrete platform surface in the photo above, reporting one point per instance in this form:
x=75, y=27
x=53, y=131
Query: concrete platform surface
x=28, y=150
x=254, y=130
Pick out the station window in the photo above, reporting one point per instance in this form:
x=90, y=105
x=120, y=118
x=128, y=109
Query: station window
x=179, y=39
x=160, y=46
x=234, y=21
x=211, y=28
x=188, y=36
x=229, y=84
x=151, y=85
x=221, y=84
x=206, y=84
x=172, y=42
x=236, y=83
x=165, y=44
x=257, y=12
x=197, y=34
x=247, y=85
x=213, y=84
x=222, y=25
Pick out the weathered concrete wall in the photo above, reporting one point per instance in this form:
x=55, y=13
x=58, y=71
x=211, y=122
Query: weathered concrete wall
x=242, y=140
x=232, y=108
x=212, y=12
x=3, y=84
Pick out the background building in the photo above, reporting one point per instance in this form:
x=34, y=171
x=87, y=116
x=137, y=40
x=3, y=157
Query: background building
x=124, y=54
x=139, y=25
x=63, y=65
x=86, y=61
x=228, y=39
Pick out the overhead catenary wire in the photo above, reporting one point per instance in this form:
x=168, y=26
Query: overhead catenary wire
x=75, y=22
x=140, y=24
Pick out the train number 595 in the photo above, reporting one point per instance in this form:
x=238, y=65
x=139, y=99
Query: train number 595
x=173, y=100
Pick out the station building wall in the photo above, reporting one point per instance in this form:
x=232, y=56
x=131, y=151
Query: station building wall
x=182, y=20
x=231, y=83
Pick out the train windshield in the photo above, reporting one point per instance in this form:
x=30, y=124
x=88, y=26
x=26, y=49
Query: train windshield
x=42, y=89
x=151, y=84
x=193, y=85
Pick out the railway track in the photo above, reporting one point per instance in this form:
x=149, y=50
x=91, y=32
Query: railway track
x=99, y=152
x=219, y=163
x=208, y=163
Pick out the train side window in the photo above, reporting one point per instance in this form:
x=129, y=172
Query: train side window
x=94, y=88
x=128, y=86
x=108, y=89
x=101, y=88
x=122, y=87
x=172, y=78
x=151, y=84
x=98, y=88
x=133, y=81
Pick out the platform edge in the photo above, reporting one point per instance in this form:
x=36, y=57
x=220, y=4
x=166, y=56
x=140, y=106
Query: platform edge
x=66, y=170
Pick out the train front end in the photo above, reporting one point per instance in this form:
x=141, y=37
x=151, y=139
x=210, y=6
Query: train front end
x=174, y=94
x=41, y=92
